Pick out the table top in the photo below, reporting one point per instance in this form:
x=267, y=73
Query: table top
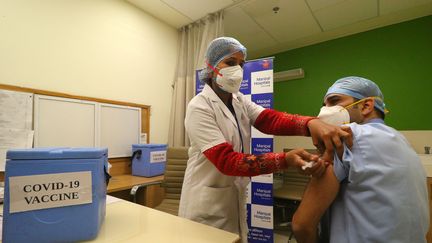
x=124, y=182
x=129, y=222
x=291, y=192
x=426, y=160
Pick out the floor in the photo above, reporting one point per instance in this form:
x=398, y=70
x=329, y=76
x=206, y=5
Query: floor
x=282, y=237
x=283, y=212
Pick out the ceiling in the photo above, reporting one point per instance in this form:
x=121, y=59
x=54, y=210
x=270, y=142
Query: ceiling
x=296, y=23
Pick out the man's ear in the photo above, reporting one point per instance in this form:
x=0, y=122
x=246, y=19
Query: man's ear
x=368, y=107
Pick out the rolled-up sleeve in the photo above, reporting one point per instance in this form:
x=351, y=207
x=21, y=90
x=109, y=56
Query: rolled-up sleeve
x=341, y=167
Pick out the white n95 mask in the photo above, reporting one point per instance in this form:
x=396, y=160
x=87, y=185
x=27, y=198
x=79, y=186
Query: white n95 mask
x=229, y=78
x=334, y=115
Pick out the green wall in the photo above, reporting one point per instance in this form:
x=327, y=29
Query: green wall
x=397, y=57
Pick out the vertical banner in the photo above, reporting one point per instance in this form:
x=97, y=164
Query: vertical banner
x=199, y=86
x=258, y=74
x=257, y=85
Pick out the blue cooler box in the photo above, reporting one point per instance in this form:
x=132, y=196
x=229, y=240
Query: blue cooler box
x=54, y=194
x=148, y=159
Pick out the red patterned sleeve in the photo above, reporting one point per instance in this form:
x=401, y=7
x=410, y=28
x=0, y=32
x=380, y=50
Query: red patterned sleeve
x=280, y=123
x=233, y=163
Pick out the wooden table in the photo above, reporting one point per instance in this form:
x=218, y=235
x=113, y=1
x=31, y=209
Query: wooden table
x=290, y=192
x=151, y=195
x=126, y=182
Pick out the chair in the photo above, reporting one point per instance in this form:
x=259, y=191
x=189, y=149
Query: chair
x=287, y=198
x=177, y=158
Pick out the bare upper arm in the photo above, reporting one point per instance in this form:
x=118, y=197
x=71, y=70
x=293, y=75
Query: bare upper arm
x=318, y=196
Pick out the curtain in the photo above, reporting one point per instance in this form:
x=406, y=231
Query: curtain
x=194, y=39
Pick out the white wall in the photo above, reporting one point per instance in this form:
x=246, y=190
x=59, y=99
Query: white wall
x=98, y=48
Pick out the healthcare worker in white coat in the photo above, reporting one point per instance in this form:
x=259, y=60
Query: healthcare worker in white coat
x=218, y=122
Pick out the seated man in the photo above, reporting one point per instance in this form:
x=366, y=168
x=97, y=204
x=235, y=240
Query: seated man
x=373, y=192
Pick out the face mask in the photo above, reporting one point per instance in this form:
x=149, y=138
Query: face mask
x=334, y=115
x=338, y=115
x=229, y=78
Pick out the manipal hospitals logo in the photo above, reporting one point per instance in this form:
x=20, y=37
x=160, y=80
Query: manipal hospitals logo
x=265, y=64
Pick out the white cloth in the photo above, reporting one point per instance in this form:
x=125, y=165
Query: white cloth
x=208, y=196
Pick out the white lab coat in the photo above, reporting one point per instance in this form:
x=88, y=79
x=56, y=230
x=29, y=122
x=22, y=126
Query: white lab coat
x=208, y=196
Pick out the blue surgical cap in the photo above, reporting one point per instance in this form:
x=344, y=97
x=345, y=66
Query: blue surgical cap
x=219, y=49
x=359, y=88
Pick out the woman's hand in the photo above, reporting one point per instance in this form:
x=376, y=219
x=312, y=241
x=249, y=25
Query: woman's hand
x=300, y=159
x=327, y=137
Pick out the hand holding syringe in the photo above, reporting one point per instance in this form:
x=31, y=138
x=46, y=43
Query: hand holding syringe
x=307, y=163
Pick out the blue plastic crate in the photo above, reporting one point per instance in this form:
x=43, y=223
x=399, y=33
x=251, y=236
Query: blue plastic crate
x=54, y=194
x=148, y=159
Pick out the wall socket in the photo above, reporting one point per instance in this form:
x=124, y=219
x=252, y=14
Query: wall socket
x=143, y=138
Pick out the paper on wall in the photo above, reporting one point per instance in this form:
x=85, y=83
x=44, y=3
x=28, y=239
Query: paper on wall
x=16, y=110
x=13, y=139
x=16, y=122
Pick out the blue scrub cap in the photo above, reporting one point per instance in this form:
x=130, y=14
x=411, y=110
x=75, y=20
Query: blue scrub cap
x=217, y=50
x=359, y=88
